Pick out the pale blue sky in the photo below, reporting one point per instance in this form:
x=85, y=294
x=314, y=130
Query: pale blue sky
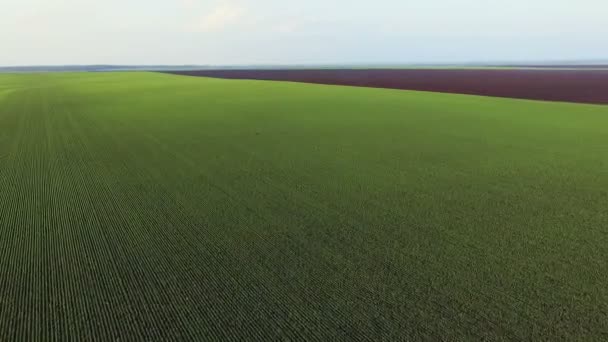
x=296, y=32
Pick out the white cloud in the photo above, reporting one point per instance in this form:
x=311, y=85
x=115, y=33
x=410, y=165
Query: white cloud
x=310, y=31
x=219, y=18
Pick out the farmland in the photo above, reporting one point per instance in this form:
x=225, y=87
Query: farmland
x=584, y=84
x=148, y=206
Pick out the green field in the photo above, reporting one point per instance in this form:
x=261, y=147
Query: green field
x=143, y=206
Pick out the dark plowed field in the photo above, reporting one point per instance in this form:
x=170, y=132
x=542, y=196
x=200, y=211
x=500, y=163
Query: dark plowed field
x=586, y=86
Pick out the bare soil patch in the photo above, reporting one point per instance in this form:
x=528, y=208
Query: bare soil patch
x=584, y=86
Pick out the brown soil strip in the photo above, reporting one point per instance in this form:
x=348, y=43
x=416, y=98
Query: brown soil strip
x=584, y=86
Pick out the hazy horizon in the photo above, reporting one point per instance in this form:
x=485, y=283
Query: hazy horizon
x=247, y=32
x=599, y=62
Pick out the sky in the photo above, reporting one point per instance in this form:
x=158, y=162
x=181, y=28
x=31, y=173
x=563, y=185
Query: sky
x=256, y=32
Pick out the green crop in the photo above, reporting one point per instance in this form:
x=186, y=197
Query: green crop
x=143, y=206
